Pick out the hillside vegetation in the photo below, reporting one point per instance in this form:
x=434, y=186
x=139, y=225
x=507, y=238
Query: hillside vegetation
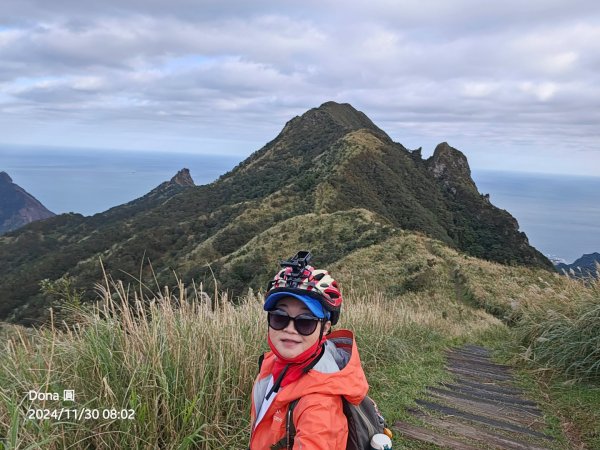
x=331, y=180
x=183, y=359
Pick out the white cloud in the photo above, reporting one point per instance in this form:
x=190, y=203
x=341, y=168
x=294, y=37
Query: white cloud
x=479, y=89
x=185, y=71
x=561, y=61
x=542, y=91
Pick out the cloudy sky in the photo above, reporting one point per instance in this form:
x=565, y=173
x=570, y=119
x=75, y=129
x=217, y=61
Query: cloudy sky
x=513, y=84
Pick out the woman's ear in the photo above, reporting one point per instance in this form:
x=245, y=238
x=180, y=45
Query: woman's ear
x=327, y=327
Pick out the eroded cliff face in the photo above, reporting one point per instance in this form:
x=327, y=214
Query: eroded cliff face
x=18, y=207
x=481, y=229
x=451, y=167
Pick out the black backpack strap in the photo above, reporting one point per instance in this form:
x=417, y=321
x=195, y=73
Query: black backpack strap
x=261, y=358
x=287, y=441
x=279, y=445
x=290, y=428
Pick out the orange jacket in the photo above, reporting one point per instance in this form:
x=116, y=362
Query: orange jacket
x=318, y=416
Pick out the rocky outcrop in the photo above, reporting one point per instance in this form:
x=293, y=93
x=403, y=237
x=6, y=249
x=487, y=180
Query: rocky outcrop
x=450, y=166
x=183, y=178
x=17, y=206
x=161, y=193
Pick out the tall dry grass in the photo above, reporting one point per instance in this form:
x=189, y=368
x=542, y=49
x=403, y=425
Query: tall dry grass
x=556, y=318
x=185, y=364
x=563, y=334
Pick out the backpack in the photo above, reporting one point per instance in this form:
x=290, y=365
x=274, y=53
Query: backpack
x=364, y=421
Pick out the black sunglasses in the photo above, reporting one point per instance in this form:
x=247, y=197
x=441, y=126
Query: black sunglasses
x=305, y=324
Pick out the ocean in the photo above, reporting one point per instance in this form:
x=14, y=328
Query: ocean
x=91, y=181
x=560, y=214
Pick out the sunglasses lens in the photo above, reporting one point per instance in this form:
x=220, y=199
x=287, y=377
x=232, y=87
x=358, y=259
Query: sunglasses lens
x=305, y=326
x=278, y=321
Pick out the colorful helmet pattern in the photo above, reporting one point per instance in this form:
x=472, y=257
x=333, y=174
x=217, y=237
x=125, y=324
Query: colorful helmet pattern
x=309, y=281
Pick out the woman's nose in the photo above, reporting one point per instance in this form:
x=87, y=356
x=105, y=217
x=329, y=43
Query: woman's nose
x=291, y=327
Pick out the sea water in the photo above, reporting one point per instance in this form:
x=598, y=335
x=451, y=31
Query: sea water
x=560, y=214
x=90, y=181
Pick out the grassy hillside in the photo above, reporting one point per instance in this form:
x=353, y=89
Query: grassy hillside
x=183, y=359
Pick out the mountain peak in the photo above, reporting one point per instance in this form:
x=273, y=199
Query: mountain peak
x=329, y=116
x=450, y=158
x=5, y=178
x=346, y=115
x=450, y=166
x=183, y=178
x=17, y=206
x=301, y=140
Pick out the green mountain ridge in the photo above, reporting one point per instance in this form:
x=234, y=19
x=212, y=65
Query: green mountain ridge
x=331, y=168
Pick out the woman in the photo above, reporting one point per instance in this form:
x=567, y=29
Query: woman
x=307, y=362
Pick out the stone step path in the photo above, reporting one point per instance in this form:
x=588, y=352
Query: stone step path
x=481, y=409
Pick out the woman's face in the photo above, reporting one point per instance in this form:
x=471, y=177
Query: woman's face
x=288, y=342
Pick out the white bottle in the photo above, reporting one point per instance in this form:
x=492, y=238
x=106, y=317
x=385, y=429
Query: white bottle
x=381, y=442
